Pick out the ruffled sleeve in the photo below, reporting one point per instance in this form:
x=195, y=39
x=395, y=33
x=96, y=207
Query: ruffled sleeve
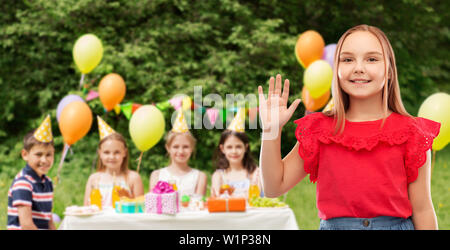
x=307, y=137
x=423, y=131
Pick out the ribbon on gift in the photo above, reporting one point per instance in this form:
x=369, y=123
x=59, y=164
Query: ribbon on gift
x=160, y=188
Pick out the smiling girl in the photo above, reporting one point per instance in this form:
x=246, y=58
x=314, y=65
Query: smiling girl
x=369, y=157
x=179, y=145
x=235, y=166
x=112, y=169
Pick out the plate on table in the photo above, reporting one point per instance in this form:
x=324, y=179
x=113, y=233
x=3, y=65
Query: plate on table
x=82, y=213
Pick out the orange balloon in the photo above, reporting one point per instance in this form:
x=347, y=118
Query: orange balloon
x=312, y=104
x=75, y=121
x=111, y=90
x=309, y=47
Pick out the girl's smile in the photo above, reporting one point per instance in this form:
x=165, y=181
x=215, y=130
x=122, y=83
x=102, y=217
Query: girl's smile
x=180, y=149
x=233, y=149
x=112, y=153
x=361, y=67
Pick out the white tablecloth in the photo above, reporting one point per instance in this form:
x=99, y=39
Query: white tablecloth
x=252, y=219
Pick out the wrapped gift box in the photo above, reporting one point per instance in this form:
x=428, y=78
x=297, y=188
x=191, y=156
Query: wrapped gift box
x=226, y=204
x=162, y=200
x=130, y=206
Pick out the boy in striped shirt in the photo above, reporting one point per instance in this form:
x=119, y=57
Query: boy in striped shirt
x=30, y=197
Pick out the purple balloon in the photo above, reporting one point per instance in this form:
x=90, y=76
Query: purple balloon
x=328, y=53
x=66, y=100
x=56, y=218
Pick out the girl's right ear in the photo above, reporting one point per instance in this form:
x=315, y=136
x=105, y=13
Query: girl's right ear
x=221, y=148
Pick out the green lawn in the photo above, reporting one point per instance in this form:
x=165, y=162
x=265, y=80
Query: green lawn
x=301, y=198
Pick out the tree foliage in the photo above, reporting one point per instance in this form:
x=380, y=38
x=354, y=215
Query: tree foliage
x=166, y=47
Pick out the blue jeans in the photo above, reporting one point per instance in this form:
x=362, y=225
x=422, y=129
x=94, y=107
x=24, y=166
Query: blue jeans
x=376, y=223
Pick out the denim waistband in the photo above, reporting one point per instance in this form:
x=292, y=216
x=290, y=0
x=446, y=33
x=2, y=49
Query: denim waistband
x=376, y=222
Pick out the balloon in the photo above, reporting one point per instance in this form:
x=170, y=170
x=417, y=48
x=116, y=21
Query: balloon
x=87, y=52
x=309, y=47
x=436, y=108
x=328, y=53
x=146, y=127
x=111, y=90
x=317, y=78
x=312, y=104
x=66, y=100
x=75, y=121
x=56, y=218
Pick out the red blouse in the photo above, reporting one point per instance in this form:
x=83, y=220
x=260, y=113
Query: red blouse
x=365, y=171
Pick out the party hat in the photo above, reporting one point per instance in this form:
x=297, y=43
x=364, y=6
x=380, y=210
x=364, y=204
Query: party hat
x=238, y=123
x=180, y=125
x=103, y=128
x=44, y=132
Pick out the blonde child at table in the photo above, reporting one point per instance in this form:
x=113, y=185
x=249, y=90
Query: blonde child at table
x=180, y=144
x=369, y=157
x=112, y=168
x=235, y=165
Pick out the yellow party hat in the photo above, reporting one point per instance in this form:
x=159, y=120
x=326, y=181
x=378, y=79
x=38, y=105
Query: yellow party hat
x=103, y=128
x=238, y=123
x=180, y=125
x=44, y=132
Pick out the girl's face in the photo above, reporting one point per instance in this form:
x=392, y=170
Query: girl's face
x=233, y=149
x=112, y=153
x=180, y=149
x=361, y=68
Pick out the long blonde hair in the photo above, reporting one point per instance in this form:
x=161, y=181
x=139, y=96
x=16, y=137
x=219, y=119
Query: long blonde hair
x=124, y=167
x=391, y=94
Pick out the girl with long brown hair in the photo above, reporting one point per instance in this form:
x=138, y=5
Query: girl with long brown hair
x=369, y=157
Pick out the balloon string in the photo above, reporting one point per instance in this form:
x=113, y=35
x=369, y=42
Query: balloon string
x=81, y=82
x=139, y=159
x=65, y=150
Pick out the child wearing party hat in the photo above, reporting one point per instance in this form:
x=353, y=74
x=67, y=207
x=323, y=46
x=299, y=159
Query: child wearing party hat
x=236, y=170
x=180, y=144
x=113, y=178
x=30, y=197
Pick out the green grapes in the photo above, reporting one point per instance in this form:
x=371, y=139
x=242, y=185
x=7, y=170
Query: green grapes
x=266, y=202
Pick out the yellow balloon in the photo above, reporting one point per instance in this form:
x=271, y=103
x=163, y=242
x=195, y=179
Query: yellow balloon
x=436, y=108
x=317, y=78
x=146, y=127
x=87, y=52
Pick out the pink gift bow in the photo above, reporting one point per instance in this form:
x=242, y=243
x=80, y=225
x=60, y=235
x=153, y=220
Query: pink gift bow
x=162, y=187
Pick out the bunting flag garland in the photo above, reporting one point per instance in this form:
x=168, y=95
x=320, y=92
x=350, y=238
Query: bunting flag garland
x=180, y=102
x=91, y=95
x=212, y=115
